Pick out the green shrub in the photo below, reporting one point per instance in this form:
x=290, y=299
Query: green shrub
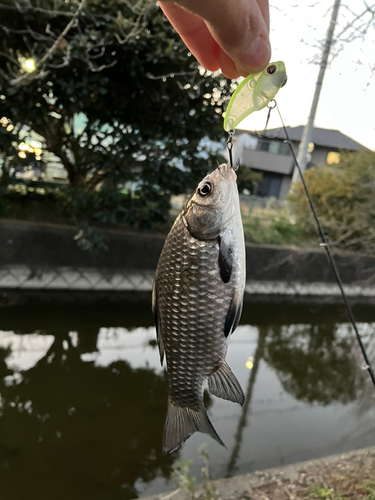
x=343, y=195
x=273, y=231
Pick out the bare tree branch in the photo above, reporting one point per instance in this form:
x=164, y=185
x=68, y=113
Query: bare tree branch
x=352, y=21
x=127, y=30
x=31, y=76
x=7, y=56
x=66, y=60
x=136, y=26
x=96, y=69
x=30, y=8
x=170, y=75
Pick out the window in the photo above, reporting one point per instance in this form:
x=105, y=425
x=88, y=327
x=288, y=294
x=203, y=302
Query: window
x=273, y=147
x=333, y=157
x=263, y=145
x=270, y=185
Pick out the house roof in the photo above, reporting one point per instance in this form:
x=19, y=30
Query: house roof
x=321, y=137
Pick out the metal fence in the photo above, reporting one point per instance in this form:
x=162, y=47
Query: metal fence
x=69, y=278
x=23, y=277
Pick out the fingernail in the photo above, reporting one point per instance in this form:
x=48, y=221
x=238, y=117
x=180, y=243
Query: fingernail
x=257, y=56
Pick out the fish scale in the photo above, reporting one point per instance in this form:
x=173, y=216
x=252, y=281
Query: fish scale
x=197, y=301
x=202, y=314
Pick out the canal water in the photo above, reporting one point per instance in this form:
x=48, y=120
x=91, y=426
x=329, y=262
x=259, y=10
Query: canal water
x=83, y=398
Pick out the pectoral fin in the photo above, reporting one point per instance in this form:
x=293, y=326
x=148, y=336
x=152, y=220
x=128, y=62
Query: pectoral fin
x=225, y=258
x=233, y=315
x=157, y=323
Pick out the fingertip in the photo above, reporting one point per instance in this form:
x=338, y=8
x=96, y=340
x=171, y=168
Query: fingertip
x=209, y=57
x=208, y=65
x=228, y=68
x=256, y=58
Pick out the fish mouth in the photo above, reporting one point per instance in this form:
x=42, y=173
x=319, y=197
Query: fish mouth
x=226, y=169
x=230, y=176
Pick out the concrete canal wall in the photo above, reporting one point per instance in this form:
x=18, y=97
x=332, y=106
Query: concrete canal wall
x=46, y=257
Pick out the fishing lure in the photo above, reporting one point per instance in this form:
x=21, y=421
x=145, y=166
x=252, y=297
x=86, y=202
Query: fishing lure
x=254, y=93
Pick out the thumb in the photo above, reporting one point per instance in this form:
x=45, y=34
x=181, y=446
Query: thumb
x=240, y=28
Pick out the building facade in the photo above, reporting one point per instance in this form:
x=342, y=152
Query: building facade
x=269, y=155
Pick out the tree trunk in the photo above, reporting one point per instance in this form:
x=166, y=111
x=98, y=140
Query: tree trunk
x=51, y=133
x=68, y=165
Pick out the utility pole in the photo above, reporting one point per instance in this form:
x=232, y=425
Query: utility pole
x=308, y=130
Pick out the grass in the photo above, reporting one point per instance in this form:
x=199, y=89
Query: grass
x=349, y=477
x=184, y=480
x=269, y=231
x=270, y=222
x=369, y=488
x=319, y=492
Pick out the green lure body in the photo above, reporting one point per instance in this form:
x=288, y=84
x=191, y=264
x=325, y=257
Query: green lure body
x=254, y=93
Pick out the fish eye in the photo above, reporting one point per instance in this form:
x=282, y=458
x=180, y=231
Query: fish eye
x=271, y=69
x=205, y=189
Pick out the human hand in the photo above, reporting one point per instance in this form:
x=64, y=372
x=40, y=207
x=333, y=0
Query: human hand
x=227, y=34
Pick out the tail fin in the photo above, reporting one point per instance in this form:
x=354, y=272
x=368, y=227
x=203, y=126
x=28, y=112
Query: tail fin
x=182, y=422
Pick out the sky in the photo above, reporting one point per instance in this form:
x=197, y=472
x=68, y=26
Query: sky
x=347, y=100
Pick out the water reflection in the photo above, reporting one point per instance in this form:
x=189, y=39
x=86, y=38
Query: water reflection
x=77, y=429
x=314, y=363
x=259, y=355
x=82, y=401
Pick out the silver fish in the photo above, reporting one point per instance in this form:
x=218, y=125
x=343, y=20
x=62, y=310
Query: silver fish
x=197, y=302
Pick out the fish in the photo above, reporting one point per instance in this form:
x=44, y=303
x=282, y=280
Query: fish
x=197, y=303
x=254, y=93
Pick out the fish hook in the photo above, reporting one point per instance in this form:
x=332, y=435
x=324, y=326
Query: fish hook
x=230, y=147
x=271, y=105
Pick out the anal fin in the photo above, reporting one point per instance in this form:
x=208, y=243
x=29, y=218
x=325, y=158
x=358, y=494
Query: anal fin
x=225, y=385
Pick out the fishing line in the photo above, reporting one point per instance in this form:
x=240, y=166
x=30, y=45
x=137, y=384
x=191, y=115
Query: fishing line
x=329, y=255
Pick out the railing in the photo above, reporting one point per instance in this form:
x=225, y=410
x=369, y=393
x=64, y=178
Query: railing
x=22, y=277
x=69, y=278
